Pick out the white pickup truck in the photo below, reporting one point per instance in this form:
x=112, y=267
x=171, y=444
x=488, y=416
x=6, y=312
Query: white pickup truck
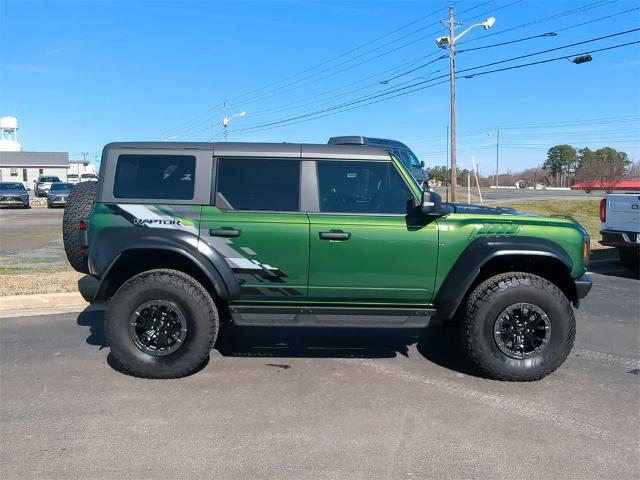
x=620, y=217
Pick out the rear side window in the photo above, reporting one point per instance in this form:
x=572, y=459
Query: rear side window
x=170, y=177
x=362, y=187
x=258, y=184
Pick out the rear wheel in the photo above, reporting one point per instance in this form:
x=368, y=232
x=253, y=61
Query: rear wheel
x=161, y=324
x=79, y=205
x=518, y=327
x=630, y=258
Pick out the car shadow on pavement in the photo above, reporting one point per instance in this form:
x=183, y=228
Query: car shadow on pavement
x=94, y=319
x=439, y=343
x=606, y=261
x=283, y=342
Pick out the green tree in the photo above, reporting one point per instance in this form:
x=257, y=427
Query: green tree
x=603, y=165
x=561, y=161
x=438, y=175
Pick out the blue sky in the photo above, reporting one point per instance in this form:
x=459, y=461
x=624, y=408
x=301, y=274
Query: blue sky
x=81, y=74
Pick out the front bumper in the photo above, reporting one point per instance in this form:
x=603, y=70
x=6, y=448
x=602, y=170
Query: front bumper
x=56, y=201
x=583, y=286
x=14, y=202
x=88, y=287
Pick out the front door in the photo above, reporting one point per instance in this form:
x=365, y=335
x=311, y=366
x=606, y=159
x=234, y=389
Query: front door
x=363, y=247
x=257, y=225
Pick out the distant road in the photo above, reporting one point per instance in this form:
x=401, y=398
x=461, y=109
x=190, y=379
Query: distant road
x=525, y=195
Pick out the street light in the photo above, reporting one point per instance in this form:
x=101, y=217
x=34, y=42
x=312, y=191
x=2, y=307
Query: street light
x=226, y=119
x=450, y=43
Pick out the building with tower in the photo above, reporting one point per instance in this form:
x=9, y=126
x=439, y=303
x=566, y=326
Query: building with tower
x=17, y=165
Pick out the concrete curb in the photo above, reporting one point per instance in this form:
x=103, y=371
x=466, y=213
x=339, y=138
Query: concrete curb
x=41, y=304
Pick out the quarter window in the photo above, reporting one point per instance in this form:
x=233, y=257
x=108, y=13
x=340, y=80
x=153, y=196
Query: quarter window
x=258, y=184
x=169, y=177
x=362, y=187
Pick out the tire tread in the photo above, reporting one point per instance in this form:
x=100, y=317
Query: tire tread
x=484, y=293
x=174, y=279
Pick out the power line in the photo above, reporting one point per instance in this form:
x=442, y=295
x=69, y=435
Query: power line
x=584, y=8
x=547, y=60
x=388, y=95
x=176, y=130
x=285, y=89
x=554, y=49
x=541, y=35
x=349, y=51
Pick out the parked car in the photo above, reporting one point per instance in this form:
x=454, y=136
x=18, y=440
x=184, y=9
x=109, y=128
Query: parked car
x=394, y=147
x=88, y=177
x=178, y=238
x=43, y=184
x=620, y=217
x=13, y=194
x=73, y=178
x=58, y=194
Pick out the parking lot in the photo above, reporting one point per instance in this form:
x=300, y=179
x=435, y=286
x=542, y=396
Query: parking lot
x=303, y=403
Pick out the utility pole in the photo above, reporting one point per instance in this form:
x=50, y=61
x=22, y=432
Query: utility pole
x=450, y=43
x=225, y=120
x=452, y=87
x=497, y=156
x=446, y=180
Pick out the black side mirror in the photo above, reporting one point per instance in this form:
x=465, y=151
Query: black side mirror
x=430, y=204
x=421, y=163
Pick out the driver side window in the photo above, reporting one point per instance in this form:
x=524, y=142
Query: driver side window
x=361, y=187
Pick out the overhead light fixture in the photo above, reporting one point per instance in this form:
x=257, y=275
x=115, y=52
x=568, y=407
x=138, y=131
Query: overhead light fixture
x=442, y=42
x=582, y=59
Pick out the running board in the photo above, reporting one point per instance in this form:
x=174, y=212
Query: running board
x=296, y=316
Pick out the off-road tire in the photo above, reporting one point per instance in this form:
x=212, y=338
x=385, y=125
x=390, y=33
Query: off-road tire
x=79, y=205
x=630, y=258
x=195, y=303
x=486, y=303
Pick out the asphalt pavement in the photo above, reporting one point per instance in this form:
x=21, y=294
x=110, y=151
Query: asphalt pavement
x=293, y=404
x=31, y=238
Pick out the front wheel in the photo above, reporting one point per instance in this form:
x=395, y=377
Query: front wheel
x=161, y=324
x=518, y=327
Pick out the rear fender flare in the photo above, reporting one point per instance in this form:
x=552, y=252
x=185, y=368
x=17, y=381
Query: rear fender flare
x=113, y=245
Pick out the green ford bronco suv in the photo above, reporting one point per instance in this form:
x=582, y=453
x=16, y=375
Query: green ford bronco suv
x=178, y=237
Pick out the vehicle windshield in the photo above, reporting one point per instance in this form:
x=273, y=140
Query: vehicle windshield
x=49, y=179
x=88, y=175
x=406, y=157
x=72, y=175
x=61, y=186
x=12, y=186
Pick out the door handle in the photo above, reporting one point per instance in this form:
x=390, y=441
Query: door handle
x=335, y=235
x=224, y=232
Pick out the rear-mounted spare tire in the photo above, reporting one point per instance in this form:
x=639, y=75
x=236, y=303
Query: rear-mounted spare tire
x=79, y=205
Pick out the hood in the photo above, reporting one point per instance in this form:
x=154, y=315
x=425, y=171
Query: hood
x=471, y=208
x=13, y=192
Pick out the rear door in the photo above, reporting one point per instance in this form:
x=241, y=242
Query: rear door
x=363, y=247
x=255, y=221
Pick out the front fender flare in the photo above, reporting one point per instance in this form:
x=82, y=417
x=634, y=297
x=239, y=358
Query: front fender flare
x=466, y=269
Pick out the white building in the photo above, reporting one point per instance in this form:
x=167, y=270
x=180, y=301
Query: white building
x=26, y=167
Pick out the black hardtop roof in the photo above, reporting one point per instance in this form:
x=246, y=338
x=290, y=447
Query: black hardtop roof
x=368, y=141
x=290, y=150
